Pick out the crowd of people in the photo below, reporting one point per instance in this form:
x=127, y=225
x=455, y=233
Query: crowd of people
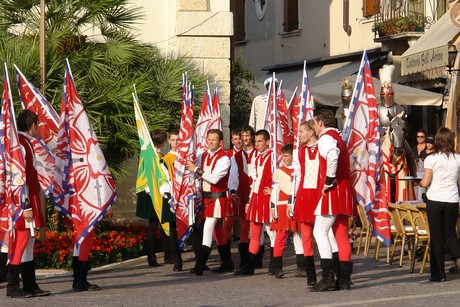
x=312, y=200
x=242, y=184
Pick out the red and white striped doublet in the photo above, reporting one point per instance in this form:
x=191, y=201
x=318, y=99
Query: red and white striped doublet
x=244, y=160
x=339, y=198
x=259, y=204
x=308, y=194
x=283, y=176
x=215, y=207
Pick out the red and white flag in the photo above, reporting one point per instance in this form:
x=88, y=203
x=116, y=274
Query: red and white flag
x=301, y=111
x=12, y=170
x=216, y=120
x=83, y=187
x=283, y=116
x=204, y=122
x=184, y=180
x=362, y=136
x=48, y=120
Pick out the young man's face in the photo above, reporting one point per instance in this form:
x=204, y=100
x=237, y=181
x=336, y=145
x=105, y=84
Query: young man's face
x=304, y=134
x=287, y=158
x=247, y=138
x=236, y=141
x=261, y=144
x=213, y=141
x=173, y=141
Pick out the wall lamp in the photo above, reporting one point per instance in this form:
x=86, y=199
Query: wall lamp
x=451, y=57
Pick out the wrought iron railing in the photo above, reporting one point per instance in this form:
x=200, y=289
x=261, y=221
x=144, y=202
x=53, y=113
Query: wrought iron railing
x=402, y=16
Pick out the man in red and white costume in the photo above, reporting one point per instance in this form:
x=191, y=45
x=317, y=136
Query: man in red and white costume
x=258, y=208
x=239, y=185
x=32, y=216
x=336, y=202
x=235, y=139
x=237, y=143
x=213, y=169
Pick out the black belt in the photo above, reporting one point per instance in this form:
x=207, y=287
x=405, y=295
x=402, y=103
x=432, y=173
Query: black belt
x=214, y=195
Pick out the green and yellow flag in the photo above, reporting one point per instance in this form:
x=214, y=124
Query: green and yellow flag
x=150, y=174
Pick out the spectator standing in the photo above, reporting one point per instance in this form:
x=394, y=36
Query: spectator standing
x=441, y=173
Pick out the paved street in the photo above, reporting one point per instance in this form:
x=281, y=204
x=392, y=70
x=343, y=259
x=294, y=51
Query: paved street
x=133, y=283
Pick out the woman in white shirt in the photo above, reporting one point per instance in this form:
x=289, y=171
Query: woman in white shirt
x=441, y=173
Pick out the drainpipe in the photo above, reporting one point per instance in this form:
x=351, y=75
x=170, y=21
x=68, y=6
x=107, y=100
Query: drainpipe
x=346, y=22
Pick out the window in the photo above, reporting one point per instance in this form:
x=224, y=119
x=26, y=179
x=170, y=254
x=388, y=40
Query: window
x=239, y=30
x=291, y=15
x=371, y=7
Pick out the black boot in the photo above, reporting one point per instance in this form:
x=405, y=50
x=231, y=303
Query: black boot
x=311, y=271
x=3, y=267
x=259, y=257
x=80, y=275
x=271, y=267
x=327, y=282
x=301, y=270
x=226, y=256
x=248, y=268
x=12, y=289
x=168, y=257
x=335, y=264
x=336, y=268
x=243, y=250
x=174, y=247
x=346, y=268
x=201, y=262
x=277, y=263
x=152, y=258
x=177, y=257
x=29, y=280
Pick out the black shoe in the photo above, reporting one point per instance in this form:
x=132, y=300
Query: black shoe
x=437, y=279
x=37, y=292
x=153, y=263
x=197, y=271
x=224, y=268
x=177, y=266
x=17, y=292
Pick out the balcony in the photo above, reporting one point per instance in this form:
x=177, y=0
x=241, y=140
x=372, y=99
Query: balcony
x=399, y=23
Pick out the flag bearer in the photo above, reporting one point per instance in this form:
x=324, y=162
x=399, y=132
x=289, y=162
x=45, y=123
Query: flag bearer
x=214, y=170
x=335, y=204
x=258, y=207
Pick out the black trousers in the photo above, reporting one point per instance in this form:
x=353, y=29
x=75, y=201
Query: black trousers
x=442, y=219
x=153, y=244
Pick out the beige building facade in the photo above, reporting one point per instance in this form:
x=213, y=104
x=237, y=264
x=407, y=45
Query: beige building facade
x=280, y=34
x=200, y=30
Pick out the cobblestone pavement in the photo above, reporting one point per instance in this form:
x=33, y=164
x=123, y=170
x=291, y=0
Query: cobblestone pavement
x=133, y=283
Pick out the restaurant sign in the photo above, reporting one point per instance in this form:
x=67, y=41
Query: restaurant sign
x=426, y=60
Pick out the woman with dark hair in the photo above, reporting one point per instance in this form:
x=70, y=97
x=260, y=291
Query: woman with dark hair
x=421, y=144
x=441, y=172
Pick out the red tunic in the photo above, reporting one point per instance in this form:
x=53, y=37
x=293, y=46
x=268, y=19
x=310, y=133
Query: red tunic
x=232, y=151
x=32, y=183
x=215, y=207
x=339, y=198
x=283, y=176
x=308, y=195
x=244, y=160
x=259, y=205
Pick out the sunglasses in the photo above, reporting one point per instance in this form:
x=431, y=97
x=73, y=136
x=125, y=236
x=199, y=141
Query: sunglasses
x=420, y=137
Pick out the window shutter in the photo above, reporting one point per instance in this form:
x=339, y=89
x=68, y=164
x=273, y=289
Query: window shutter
x=370, y=7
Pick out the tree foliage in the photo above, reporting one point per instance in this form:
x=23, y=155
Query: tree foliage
x=106, y=61
x=242, y=80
